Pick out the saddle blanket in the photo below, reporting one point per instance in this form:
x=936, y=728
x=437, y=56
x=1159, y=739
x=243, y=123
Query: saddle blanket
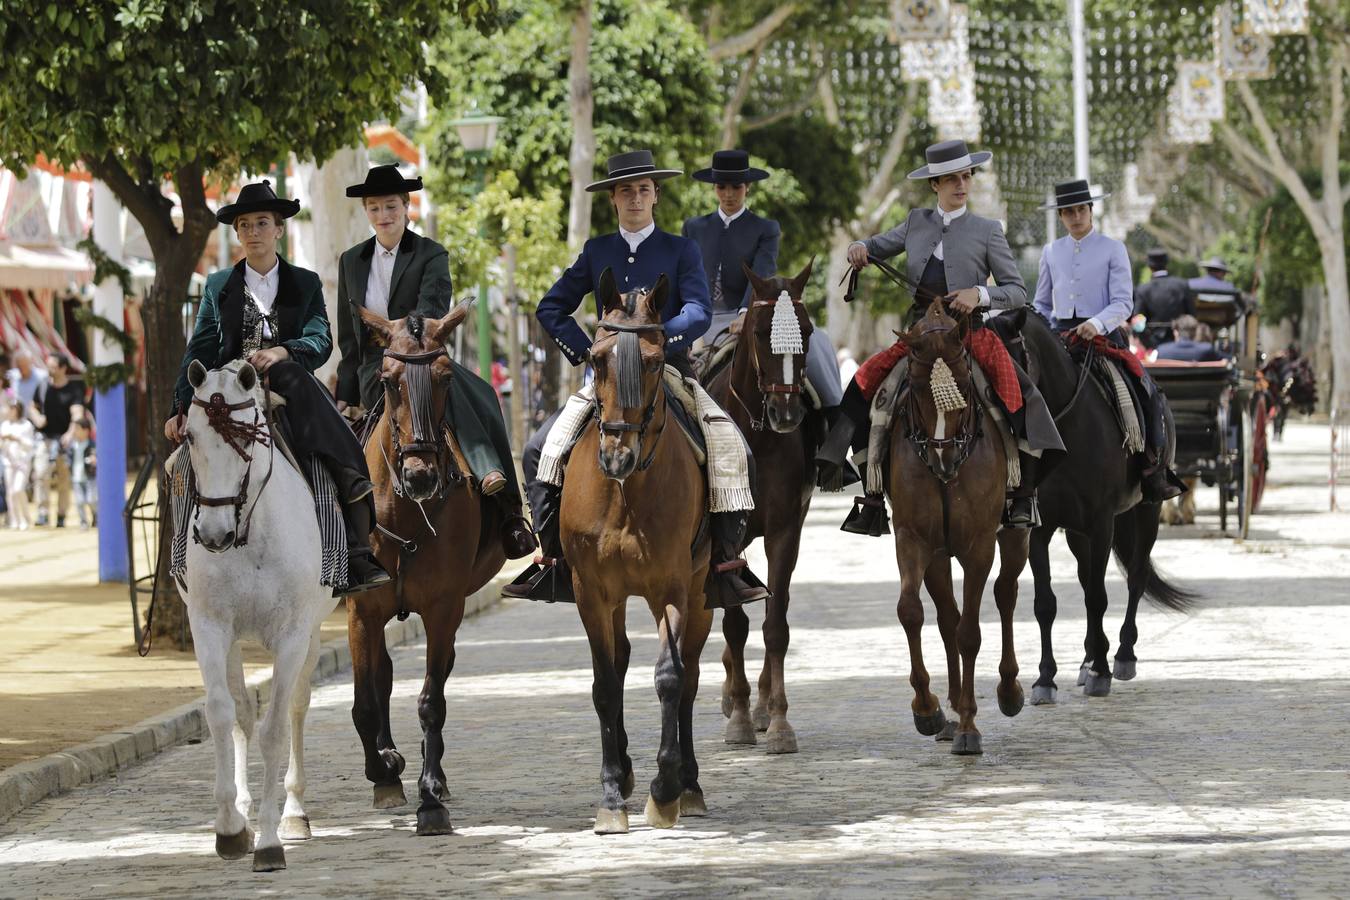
x=332, y=529
x=1110, y=358
x=728, y=467
x=986, y=349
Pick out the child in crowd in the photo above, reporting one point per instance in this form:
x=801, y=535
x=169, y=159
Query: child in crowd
x=82, y=469
x=18, y=447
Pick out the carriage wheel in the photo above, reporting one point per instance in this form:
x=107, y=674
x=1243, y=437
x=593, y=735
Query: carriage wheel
x=1244, y=473
x=1260, y=462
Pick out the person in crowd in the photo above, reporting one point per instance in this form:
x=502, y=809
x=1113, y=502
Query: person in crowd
x=1214, y=279
x=26, y=378
x=81, y=454
x=1161, y=299
x=1187, y=343
x=51, y=474
x=18, y=446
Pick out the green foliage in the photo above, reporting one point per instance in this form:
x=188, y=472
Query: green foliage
x=100, y=378
x=105, y=266
x=1292, y=260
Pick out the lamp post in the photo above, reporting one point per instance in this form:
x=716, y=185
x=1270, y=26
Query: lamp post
x=478, y=133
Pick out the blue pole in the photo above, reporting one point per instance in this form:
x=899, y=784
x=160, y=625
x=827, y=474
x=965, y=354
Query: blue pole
x=110, y=417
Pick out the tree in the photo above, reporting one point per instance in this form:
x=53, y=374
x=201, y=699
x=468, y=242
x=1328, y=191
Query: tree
x=150, y=95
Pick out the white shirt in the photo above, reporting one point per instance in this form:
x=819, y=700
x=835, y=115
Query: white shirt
x=947, y=219
x=381, y=279
x=636, y=237
x=726, y=219
x=263, y=287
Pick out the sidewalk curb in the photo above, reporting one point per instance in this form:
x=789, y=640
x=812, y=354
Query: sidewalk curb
x=30, y=782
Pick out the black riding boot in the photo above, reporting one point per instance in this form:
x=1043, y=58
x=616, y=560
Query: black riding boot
x=834, y=470
x=868, y=516
x=1158, y=482
x=517, y=538
x=548, y=578
x=364, y=572
x=730, y=581
x=1020, y=510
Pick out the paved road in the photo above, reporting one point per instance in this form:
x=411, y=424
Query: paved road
x=1220, y=771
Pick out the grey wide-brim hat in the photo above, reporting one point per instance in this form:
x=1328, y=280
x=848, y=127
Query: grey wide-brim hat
x=949, y=156
x=1215, y=263
x=630, y=167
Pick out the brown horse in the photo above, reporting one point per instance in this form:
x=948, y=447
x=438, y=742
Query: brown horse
x=632, y=524
x=946, y=481
x=438, y=539
x=761, y=391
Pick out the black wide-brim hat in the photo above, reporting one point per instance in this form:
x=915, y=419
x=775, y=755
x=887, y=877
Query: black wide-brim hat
x=730, y=167
x=1215, y=263
x=1073, y=193
x=946, y=157
x=630, y=167
x=384, y=181
x=257, y=197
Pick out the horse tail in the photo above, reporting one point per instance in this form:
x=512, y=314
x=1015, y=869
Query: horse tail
x=1135, y=534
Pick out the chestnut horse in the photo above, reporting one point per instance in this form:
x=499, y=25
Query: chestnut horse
x=632, y=524
x=437, y=538
x=761, y=391
x=946, y=479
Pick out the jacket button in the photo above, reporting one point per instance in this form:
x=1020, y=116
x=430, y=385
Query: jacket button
x=630, y=259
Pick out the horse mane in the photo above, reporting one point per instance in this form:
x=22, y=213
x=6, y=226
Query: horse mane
x=629, y=352
x=416, y=325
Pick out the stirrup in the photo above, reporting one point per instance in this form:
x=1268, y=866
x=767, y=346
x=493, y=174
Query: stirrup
x=732, y=584
x=548, y=579
x=1030, y=519
x=868, y=517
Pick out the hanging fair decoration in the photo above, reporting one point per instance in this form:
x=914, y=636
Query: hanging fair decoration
x=1182, y=129
x=1201, y=90
x=921, y=20
x=924, y=60
x=1242, y=55
x=952, y=106
x=1276, y=16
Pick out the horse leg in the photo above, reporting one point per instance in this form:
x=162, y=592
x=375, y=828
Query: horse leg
x=736, y=688
x=274, y=739
x=928, y=717
x=598, y=618
x=213, y=646
x=938, y=580
x=245, y=717
x=782, y=544
x=294, y=819
x=623, y=651
x=1093, y=553
x=663, y=803
x=372, y=680
x=441, y=621
x=975, y=568
x=1012, y=551
x=697, y=625
x=1135, y=537
x=1045, y=604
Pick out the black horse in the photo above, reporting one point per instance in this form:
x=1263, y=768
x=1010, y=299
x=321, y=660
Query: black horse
x=1094, y=495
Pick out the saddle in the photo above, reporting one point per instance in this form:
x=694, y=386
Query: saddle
x=1108, y=377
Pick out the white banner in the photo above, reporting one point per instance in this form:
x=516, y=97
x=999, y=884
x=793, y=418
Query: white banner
x=1180, y=128
x=921, y=20
x=1242, y=54
x=924, y=60
x=1201, y=90
x=1276, y=16
x=951, y=98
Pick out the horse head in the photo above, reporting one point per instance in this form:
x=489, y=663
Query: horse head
x=773, y=344
x=416, y=374
x=225, y=422
x=629, y=361
x=940, y=390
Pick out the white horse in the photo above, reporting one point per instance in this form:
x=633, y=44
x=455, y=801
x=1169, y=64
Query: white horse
x=253, y=571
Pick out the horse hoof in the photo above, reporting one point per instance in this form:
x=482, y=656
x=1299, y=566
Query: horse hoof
x=433, y=820
x=948, y=732
x=1082, y=675
x=662, y=815
x=1125, y=669
x=760, y=716
x=692, y=804
x=1097, y=685
x=967, y=745
x=740, y=730
x=930, y=724
x=626, y=789
x=393, y=761
x=1043, y=694
x=611, y=821
x=295, y=828
x=1010, y=702
x=389, y=796
x=728, y=704
x=269, y=859
x=234, y=846
x=780, y=738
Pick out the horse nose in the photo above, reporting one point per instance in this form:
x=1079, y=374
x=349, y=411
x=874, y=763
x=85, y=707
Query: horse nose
x=217, y=546
x=420, y=482
x=618, y=463
x=788, y=416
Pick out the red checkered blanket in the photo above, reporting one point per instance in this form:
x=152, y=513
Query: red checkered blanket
x=984, y=346
x=1104, y=347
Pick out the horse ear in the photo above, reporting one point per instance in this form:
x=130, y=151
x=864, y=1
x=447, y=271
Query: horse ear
x=1017, y=318
x=799, y=283
x=248, y=377
x=656, y=297
x=759, y=287
x=196, y=374
x=607, y=291
x=439, y=329
x=380, y=328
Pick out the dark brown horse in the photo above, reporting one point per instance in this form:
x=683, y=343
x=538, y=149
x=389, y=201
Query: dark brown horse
x=631, y=521
x=762, y=392
x=440, y=542
x=946, y=482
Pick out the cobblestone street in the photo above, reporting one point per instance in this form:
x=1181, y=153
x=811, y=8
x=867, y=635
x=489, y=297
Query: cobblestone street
x=1220, y=771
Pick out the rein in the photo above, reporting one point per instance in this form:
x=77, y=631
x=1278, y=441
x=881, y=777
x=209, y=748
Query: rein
x=766, y=388
x=615, y=429
x=1085, y=370
x=900, y=279
x=238, y=435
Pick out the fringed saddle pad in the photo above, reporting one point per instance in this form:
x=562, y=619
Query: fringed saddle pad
x=1118, y=395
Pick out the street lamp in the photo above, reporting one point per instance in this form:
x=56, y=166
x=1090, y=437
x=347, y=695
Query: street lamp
x=478, y=133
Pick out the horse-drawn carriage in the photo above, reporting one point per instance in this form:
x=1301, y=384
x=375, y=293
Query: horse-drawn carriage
x=1220, y=416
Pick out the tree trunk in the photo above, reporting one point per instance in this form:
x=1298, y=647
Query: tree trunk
x=581, y=102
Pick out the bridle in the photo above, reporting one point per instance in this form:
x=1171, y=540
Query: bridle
x=238, y=436
x=615, y=429
x=968, y=430
x=426, y=425
x=766, y=387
